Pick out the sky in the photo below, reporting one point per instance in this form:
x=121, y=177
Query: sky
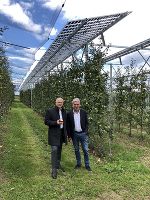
x=31, y=26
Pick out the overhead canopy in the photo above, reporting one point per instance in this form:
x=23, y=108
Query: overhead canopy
x=74, y=36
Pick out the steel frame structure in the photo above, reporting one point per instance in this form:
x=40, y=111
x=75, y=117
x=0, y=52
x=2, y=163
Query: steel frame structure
x=135, y=48
x=75, y=35
x=128, y=50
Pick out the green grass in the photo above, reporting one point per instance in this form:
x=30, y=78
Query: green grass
x=25, y=166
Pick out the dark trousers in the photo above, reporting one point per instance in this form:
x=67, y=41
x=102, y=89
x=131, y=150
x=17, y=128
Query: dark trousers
x=56, y=154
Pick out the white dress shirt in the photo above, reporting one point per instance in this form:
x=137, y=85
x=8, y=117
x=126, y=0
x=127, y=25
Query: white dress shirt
x=61, y=118
x=77, y=122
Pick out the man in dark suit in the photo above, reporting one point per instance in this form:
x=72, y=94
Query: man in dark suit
x=55, y=119
x=77, y=129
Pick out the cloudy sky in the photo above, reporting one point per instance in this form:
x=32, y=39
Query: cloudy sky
x=32, y=24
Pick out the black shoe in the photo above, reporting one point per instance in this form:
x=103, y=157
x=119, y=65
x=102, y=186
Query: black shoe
x=61, y=168
x=54, y=174
x=77, y=166
x=88, y=168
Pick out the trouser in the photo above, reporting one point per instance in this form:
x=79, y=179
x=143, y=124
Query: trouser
x=56, y=153
x=56, y=156
x=81, y=138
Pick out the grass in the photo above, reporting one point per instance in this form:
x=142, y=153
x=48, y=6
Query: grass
x=25, y=166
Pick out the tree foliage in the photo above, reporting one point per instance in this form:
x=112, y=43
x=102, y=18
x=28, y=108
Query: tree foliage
x=123, y=107
x=6, y=86
x=83, y=80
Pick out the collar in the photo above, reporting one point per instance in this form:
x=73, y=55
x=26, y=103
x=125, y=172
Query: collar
x=74, y=112
x=58, y=108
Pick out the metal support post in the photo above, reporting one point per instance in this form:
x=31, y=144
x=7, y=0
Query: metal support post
x=31, y=95
x=86, y=52
x=110, y=112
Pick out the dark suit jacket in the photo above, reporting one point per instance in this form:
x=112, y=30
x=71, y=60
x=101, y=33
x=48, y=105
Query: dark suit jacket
x=54, y=131
x=70, y=122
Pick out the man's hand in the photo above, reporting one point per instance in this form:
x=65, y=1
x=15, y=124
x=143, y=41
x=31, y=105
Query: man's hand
x=60, y=121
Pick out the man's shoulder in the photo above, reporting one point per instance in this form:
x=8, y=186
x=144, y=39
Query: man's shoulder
x=55, y=109
x=82, y=110
x=69, y=112
x=50, y=109
x=64, y=110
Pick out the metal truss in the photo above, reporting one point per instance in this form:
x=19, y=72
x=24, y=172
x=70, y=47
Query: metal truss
x=128, y=50
x=73, y=37
x=135, y=48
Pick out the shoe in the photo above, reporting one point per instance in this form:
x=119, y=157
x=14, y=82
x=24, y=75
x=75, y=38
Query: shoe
x=61, y=168
x=88, y=168
x=77, y=166
x=54, y=174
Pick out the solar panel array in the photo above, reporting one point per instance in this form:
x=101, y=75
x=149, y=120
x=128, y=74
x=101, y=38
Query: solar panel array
x=73, y=37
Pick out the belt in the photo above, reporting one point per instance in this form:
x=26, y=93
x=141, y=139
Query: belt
x=78, y=131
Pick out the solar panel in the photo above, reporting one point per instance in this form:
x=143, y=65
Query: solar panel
x=73, y=37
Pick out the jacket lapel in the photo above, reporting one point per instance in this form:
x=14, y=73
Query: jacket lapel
x=72, y=117
x=81, y=116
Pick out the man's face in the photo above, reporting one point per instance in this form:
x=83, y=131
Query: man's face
x=76, y=105
x=59, y=102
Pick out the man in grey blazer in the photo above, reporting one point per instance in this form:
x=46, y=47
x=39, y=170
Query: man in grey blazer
x=77, y=129
x=55, y=119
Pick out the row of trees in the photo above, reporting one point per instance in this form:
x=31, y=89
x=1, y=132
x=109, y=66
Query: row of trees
x=109, y=111
x=132, y=100
x=6, y=86
x=83, y=80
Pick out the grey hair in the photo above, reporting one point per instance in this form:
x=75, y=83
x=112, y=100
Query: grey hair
x=75, y=99
x=59, y=98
